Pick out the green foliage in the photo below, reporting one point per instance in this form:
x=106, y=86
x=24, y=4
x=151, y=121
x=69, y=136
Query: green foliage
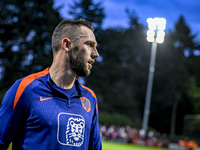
x=171, y=80
x=117, y=79
x=25, y=38
x=120, y=79
x=191, y=128
x=116, y=118
x=194, y=93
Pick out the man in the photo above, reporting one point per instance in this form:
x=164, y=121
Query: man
x=50, y=110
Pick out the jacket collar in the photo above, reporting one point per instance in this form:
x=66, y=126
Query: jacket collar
x=81, y=91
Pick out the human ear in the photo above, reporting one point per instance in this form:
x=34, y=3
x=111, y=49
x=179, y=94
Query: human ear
x=66, y=44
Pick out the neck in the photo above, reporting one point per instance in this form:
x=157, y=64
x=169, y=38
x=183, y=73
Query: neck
x=60, y=72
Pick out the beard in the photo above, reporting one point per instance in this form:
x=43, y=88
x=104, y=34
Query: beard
x=78, y=63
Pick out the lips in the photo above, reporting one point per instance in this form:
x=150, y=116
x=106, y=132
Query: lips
x=90, y=66
x=90, y=63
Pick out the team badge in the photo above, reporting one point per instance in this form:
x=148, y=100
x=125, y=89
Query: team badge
x=71, y=128
x=86, y=104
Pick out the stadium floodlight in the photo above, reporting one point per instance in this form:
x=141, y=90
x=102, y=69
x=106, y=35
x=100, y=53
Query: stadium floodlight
x=160, y=36
x=157, y=25
x=155, y=34
x=150, y=35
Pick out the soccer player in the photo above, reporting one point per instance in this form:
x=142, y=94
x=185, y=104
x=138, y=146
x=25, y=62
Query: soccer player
x=51, y=110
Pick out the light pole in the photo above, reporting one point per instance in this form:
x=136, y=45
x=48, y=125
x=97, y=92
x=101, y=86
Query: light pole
x=155, y=34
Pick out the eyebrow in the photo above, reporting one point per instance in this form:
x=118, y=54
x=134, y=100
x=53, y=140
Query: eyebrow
x=92, y=42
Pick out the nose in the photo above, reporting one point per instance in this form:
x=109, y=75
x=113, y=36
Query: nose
x=95, y=53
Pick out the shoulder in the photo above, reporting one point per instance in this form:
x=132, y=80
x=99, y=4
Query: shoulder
x=8, y=99
x=90, y=90
x=25, y=82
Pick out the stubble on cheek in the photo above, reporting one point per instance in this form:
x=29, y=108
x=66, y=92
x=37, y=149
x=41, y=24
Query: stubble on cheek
x=79, y=62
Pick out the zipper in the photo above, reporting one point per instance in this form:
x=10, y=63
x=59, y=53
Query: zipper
x=68, y=101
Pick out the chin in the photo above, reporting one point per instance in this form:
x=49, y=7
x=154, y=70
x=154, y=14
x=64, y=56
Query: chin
x=87, y=74
x=84, y=73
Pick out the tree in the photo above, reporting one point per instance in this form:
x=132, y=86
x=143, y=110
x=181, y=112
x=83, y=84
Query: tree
x=26, y=27
x=86, y=9
x=183, y=41
x=194, y=93
x=118, y=79
x=172, y=79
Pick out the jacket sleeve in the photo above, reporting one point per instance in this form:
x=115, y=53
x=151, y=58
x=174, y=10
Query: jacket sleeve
x=7, y=123
x=95, y=138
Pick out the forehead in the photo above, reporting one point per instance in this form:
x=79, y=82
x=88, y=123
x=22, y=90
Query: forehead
x=87, y=34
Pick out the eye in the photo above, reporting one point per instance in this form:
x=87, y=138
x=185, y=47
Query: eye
x=90, y=45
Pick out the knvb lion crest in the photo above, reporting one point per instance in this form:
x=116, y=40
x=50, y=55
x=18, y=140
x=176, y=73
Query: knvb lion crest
x=86, y=104
x=71, y=129
x=75, y=131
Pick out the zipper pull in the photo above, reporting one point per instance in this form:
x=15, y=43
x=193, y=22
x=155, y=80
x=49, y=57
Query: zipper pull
x=68, y=101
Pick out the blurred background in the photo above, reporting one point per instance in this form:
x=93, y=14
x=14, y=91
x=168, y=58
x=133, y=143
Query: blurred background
x=119, y=76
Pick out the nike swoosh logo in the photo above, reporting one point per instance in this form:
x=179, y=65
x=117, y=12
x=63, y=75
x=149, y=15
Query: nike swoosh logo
x=43, y=99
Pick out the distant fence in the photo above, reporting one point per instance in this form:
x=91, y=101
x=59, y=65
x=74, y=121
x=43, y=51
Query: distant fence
x=192, y=117
x=174, y=146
